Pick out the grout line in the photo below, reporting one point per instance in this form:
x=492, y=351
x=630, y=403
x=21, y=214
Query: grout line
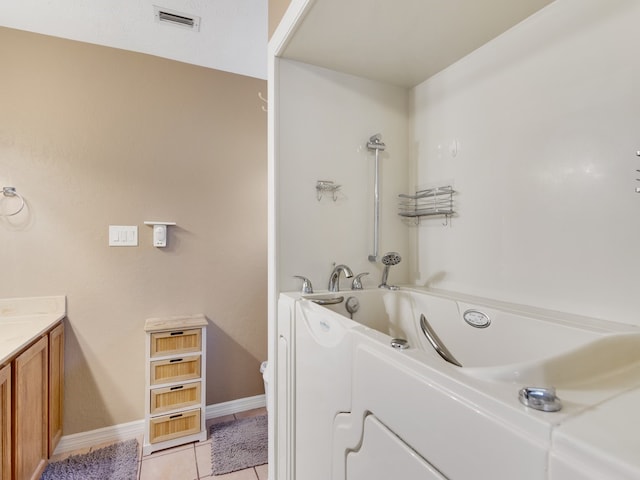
x=195, y=459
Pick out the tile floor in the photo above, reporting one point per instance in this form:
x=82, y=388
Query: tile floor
x=191, y=461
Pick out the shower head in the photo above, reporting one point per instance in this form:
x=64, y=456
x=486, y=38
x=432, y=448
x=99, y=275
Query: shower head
x=388, y=260
x=375, y=142
x=391, y=258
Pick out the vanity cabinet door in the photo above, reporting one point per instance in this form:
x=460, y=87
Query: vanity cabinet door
x=56, y=385
x=31, y=391
x=5, y=422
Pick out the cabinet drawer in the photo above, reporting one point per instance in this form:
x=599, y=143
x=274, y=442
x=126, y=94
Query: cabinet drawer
x=175, y=369
x=173, y=426
x=176, y=342
x=173, y=398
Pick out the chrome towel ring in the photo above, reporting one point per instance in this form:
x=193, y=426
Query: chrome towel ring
x=11, y=192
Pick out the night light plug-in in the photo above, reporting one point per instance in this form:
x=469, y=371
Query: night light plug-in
x=159, y=232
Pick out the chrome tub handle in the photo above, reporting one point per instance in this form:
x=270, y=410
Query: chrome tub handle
x=436, y=343
x=327, y=301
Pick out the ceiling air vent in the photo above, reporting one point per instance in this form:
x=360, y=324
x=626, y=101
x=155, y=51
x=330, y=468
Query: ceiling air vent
x=171, y=17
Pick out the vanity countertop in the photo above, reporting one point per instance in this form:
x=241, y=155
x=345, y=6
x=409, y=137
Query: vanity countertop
x=24, y=319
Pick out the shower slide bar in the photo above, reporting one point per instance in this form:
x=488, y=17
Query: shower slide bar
x=375, y=143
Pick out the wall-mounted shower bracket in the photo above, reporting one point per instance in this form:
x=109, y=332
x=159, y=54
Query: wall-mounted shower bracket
x=327, y=186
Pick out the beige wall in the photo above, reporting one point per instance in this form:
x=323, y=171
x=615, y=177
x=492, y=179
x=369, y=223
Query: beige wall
x=276, y=11
x=93, y=136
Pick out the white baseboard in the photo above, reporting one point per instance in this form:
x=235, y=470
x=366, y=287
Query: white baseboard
x=235, y=406
x=125, y=431
x=115, y=433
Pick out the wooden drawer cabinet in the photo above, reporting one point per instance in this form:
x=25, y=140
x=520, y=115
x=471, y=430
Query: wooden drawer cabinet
x=175, y=373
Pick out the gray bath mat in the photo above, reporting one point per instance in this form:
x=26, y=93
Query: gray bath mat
x=238, y=444
x=114, y=462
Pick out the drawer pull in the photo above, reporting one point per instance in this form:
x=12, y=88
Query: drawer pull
x=177, y=388
x=174, y=360
x=175, y=416
x=176, y=333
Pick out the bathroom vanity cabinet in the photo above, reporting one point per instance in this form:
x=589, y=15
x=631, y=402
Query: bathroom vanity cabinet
x=31, y=383
x=175, y=386
x=31, y=396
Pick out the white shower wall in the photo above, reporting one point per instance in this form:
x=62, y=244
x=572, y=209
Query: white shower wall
x=546, y=119
x=327, y=118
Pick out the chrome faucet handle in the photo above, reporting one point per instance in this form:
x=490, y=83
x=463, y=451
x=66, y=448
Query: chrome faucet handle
x=306, y=284
x=357, y=281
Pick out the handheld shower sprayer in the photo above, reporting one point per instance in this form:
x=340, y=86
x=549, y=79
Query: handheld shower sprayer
x=388, y=260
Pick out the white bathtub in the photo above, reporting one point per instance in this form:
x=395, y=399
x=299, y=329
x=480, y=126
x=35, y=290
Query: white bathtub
x=519, y=345
x=357, y=400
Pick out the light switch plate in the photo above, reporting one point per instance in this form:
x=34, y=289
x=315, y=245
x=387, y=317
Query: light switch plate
x=123, y=236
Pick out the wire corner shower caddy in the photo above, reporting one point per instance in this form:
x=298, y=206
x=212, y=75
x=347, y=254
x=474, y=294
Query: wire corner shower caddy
x=428, y=202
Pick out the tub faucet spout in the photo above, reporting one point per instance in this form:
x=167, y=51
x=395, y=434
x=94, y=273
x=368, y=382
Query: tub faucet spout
x=334, y=279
